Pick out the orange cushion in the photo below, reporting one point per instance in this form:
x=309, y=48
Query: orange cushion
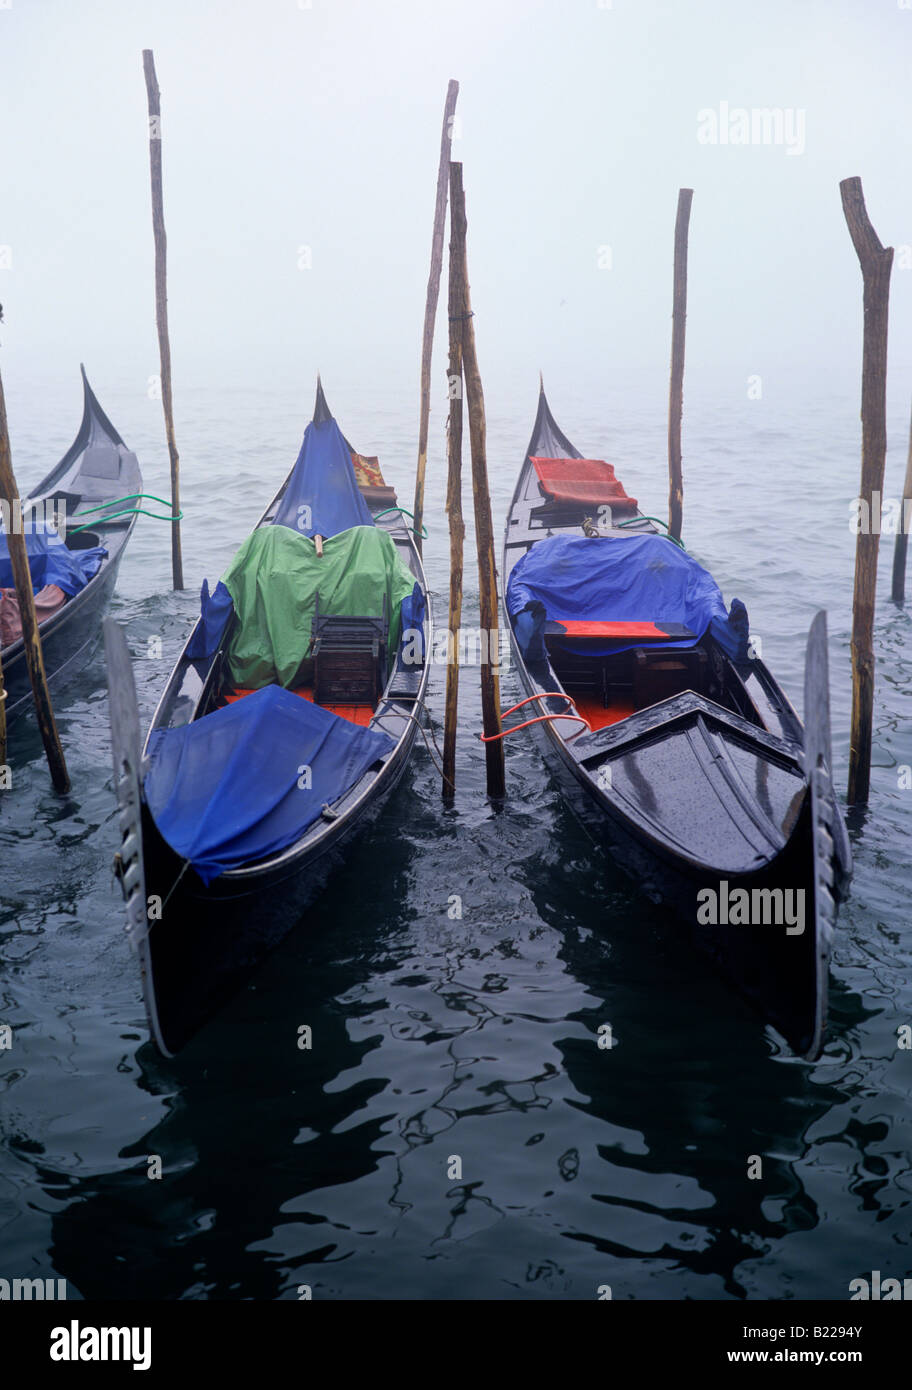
x=570, y=627
x=355, y=714
x=587, y=481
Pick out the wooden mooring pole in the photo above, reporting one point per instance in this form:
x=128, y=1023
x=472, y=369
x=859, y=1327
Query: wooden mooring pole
x=454, y=513
x=676, y=386
x=430, y=307
x=902, y=536
x=461, y=315
x=161, y=307
x=31, y=638
x=2, y=721
x=876, y=263
x=2, y=686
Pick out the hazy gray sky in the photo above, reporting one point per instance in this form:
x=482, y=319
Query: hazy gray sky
x=288, y=126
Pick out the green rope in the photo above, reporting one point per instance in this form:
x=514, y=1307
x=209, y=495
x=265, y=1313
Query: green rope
x=387, y=510
x=129, y=511
x=633, y=521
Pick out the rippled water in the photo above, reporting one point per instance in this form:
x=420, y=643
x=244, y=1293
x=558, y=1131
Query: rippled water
x=437, y=1038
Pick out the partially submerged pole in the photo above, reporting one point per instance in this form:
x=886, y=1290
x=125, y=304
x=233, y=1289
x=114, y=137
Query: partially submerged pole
x=461, y=315
x=3, y=690
x=676, y=386
x=31, y=639
x=2, y=721
x=876, y=263
x=902, y=535
x=430, y=307
x=161, y=307
x=454, y=512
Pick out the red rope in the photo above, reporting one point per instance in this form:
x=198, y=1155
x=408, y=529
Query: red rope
x=545, y=695
x=541, y=719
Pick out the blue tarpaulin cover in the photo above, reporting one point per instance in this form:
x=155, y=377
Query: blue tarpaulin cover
x=232, y=787
x=414, y=612
x=50, y=562
x=215, y=610
x=628, y=579
x=322, y=496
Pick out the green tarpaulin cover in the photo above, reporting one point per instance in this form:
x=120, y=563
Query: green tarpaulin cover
x=274, y=580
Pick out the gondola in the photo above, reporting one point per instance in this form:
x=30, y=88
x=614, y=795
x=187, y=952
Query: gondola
x=287, y=721
x=671, y=738
x=74, y=564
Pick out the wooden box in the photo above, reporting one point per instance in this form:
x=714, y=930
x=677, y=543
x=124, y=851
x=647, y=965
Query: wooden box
x=349, y=660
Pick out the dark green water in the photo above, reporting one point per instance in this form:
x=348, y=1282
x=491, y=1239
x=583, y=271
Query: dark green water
x=476, y=1038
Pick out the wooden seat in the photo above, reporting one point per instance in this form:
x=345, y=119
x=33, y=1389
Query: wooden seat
x=349, y=655
x=660, y=675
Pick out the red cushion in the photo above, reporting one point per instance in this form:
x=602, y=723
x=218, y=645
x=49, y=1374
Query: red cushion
x=571, y=627
x=589, y=481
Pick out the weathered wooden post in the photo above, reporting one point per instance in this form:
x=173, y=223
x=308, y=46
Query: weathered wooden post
x=902, y=535
x=876, y=263
x=430, y=308
x=454, y=511
x=676, y=386
x=461, y=315
x=2, y=686
x=31, y=638
x=161, y=307
x=2, y=720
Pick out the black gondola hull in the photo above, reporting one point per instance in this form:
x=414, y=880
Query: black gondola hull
x=702, y=797
x=776, y=970
x=95, y=484
x=199, y=944
x=211, y=940
x=68, y=640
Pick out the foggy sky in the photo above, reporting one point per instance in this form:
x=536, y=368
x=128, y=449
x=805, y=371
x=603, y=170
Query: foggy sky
x=288, y=126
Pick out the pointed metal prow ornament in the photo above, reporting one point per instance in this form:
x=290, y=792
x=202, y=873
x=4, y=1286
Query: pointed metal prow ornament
x=322, y=412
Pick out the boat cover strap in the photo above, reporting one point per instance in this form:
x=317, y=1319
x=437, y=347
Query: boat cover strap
x=589, y=481
x=578, y=579
x=246, y=781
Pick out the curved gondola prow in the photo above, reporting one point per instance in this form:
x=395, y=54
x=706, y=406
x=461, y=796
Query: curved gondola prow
x=322, y=412
x=129, y=860
x=830, y=850
x=93, y=474
x=94, y=421
x=546, y=432
x=92, y=409
x=549, y=441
